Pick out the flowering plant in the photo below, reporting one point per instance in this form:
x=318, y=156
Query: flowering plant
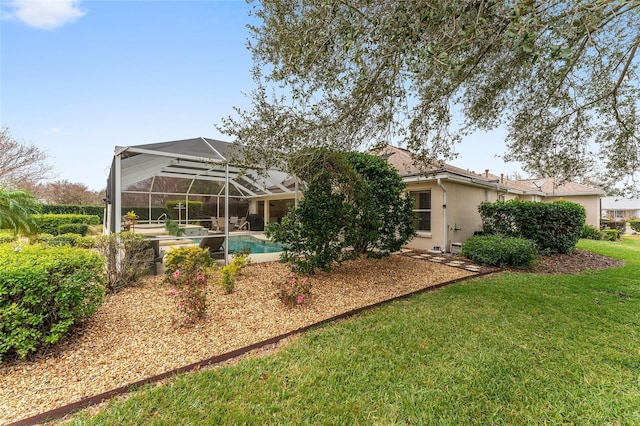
x=131, y=215
x=191, y=293
x=294, y=290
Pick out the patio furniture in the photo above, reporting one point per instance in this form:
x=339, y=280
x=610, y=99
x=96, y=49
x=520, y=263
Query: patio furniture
x=214, y=245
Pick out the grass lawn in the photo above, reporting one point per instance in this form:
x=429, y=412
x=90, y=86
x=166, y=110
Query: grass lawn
x=514, y=348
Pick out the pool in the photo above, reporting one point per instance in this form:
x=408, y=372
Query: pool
x=237, y=243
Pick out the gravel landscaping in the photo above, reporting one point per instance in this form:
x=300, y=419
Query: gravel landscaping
x=137, y=333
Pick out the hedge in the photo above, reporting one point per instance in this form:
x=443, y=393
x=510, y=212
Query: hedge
x=195, y=207
x=555, y=227
x=498, y=250
x=44, y=291
x=50, y=223
x=635, y=225
x=74, y=209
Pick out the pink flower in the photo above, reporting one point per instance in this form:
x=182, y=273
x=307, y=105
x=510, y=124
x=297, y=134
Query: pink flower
x=180, y=304
x=176, y=273
x=200, y=277
x=173, y=291
x=292, y=281
x=300, y=299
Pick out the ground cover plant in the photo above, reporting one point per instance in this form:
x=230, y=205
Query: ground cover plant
x=513, y=348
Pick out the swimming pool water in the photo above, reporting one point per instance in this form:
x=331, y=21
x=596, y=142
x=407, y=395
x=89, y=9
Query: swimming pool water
x=237, y=243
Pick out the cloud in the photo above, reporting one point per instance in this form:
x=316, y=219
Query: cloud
x=45, y=14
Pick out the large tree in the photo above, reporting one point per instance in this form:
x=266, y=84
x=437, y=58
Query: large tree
x=560, y=76
x=21, y=165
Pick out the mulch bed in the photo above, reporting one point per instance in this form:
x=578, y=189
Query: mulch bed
x=137, y=334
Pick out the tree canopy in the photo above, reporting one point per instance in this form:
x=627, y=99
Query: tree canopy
x=21, y=165
x=560, y=76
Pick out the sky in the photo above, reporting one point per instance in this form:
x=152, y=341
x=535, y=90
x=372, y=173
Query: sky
x=78, y=78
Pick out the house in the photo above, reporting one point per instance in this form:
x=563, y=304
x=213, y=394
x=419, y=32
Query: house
x=620, y=208
x=446, y=197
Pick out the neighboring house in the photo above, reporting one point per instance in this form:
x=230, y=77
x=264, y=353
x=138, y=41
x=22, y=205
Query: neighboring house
x=620, y=208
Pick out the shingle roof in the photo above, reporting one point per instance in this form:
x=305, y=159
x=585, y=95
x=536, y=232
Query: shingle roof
x=403, y=160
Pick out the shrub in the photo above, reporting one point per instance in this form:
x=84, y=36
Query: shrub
x=49, y=223
x=73, y=228
x=74, y=209
x=64, y=240
x=40, y=238
x=555, y=227
x=501, y=251
x=635, y=225
x=187, y=259
x=44, y=292
x=293, y=290
x=611, y=234
x=590, y=232
x=228, y=273
x=127, y=257
x=354, y=204
x=7, y=238
x=187, y=269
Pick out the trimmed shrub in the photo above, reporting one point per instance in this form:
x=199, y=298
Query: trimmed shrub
x=187, y=260
x=635, y=225
x=64, y=240
x=498, y=250
x=555, y=227
x=7, y=238
x=73, y=228
x=74, y=209
x=611, y=234
x=44, y=292
x=590, y=232
x=49, y=223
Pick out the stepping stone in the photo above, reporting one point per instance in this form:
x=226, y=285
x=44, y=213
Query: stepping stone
x=455, y=263
x=417, y=256
x=406, y=250
x=472, y=268
x=439, y=259
x=426, y=256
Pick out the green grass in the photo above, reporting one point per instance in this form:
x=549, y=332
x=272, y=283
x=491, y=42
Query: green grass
x=514, y=348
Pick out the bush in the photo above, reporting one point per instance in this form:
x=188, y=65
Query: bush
x=74, y=209
x=498, y=250
x=620, y=225
x=229, y=272
x=44, y=292
x=555, y=227
x=611, y=234
x=7, y=238
x=187, y=259
x=127, y=257
x=293, y=290
x=635, y=225
x=73, y=228
x=590, y=232
x=49, y=223
x=64, y=240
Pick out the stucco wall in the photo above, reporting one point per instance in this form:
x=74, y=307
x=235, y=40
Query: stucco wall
x=591, y=204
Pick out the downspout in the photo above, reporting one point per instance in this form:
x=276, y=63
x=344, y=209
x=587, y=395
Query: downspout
x=445, y=231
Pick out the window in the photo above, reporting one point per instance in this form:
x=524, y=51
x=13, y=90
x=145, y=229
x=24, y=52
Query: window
x=422, y=210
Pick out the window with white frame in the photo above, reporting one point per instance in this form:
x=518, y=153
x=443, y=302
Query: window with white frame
x=421, y=210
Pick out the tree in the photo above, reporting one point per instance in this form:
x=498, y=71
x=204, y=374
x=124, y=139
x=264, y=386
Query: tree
x=17, y=209
x=65, y=192
x=21, y=166
x=561, y=76
x=354, y=204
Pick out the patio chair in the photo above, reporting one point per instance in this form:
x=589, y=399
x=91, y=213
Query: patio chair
x=217, y=224
x=243, y=224
x=214, y=245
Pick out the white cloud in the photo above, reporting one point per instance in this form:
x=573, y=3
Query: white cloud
x=45, y=14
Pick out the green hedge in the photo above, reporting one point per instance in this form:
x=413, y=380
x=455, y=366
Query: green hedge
x=73, y=228
x=635, y=225
x=590, y=232
x=498, y=250
x=50, y=223
x=555, y=227
x=620, y=225
x=611, y=234
x=44, y=291
x=73, y=209
x=195, y=207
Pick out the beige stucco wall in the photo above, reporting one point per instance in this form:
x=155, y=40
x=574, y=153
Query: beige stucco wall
x=462, y=214
x=591, y=204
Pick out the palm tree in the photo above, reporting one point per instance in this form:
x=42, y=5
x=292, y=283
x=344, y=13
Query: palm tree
x=17, y=209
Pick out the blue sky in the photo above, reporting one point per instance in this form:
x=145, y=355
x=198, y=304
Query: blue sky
x=80, y=77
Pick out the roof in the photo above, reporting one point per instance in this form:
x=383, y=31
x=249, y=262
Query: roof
x=403, y=161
